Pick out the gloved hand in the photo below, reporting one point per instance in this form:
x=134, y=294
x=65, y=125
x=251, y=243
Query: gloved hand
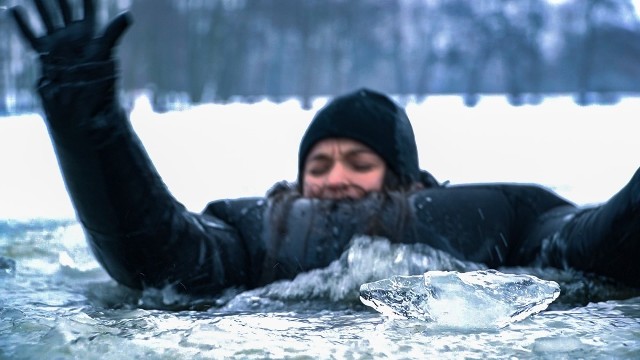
x=75, y=41
x=72, y=58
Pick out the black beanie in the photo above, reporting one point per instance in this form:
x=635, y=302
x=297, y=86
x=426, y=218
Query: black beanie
x=373, y=119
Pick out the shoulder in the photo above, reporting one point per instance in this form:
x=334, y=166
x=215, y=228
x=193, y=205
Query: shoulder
x=429, y=181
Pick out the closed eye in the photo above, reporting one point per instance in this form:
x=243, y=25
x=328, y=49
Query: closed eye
x=318, y=165
x=363, y=160
x=362, y=167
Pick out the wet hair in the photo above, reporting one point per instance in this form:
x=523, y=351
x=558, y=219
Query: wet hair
x=390, y=224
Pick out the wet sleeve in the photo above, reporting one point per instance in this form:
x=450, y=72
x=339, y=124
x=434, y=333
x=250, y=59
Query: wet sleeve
x=140, y=234
x=603, y=239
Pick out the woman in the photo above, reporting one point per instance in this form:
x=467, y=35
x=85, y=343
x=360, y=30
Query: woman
x=358, y=174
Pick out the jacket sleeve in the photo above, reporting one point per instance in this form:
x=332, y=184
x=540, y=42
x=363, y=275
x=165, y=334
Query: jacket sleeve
x=139, y=233
x=603, y=239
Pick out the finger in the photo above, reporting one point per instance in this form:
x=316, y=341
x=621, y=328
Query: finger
x=19, y=16
x=44, y=14
x=89, y=13
x=116, y=28
x=65, y=10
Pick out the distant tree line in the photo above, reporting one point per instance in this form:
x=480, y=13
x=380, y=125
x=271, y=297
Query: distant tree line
x=193, y=51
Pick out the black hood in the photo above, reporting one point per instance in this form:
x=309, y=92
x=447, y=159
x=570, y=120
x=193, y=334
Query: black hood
x=373, y=119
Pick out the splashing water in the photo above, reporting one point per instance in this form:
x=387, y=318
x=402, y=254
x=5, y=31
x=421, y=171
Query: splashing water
x=367, y=259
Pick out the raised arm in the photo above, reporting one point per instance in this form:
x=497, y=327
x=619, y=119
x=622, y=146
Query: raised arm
x=136, y=229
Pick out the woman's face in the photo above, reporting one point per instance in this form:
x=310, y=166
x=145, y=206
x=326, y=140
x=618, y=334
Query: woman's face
x=340, y=168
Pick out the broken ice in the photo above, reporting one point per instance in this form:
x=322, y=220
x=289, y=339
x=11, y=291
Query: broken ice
x=476, y=299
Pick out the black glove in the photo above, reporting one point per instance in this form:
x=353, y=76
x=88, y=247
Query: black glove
x=73, y=57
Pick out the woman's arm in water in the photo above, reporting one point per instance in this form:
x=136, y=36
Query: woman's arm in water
x=140, y=234
x=604, y=239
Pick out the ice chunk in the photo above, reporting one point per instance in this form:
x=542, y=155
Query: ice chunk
x=476, y=299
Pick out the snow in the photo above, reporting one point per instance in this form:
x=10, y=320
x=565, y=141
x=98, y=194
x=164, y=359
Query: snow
x=213, y=151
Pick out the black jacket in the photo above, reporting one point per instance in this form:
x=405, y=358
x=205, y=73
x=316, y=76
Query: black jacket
x=145, y=238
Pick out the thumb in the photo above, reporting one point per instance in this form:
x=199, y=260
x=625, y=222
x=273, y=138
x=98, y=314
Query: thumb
x=116, y=28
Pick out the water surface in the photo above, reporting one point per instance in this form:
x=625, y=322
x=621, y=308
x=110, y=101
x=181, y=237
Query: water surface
x=58, y=303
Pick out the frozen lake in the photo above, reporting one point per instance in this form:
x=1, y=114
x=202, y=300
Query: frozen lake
x=213, y=152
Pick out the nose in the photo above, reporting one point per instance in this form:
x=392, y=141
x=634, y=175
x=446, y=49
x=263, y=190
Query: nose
x=337, y=176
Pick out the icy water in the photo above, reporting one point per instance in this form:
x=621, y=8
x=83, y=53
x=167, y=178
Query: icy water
x=59, y=304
